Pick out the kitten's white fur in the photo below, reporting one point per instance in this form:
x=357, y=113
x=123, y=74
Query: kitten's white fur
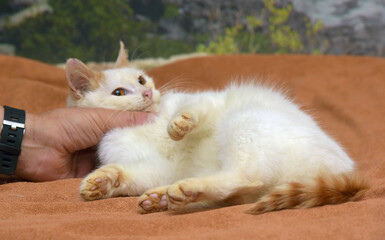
x=245, y=130
x=240, y=144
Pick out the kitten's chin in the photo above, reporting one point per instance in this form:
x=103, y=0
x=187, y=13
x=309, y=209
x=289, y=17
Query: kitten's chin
x=153, y=104
x=152, y=108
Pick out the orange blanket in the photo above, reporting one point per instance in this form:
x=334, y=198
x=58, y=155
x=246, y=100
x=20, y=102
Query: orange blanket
x=345, y=94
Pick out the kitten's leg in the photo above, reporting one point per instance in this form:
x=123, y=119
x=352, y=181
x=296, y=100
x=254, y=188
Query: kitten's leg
x=216, y=188
x=114, y=180
x=194, y=116
x=181, y=125
x=103, y=182
x=156, y=200
x=131, y=165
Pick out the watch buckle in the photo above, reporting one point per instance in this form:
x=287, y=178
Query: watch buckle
x=14, y=125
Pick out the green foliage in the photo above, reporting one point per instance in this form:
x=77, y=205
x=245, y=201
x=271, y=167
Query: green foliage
x=152, y=9
x=224, y=45
x=171, y=11
x=286, y=39
x=281, y=34
x=312, y=29
x=4, y=6
x=82, y=29
x=90, y=31
x=253, y=22
x=280, y=37
x=159, y=47
x=253, y=42
x=278, y=15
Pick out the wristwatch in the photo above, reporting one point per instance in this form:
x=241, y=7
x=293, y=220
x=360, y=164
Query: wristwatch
x=12, y=132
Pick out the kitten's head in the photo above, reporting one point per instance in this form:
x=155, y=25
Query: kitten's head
x=121, y=88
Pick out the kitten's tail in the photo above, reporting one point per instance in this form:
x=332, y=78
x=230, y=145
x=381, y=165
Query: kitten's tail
x=324, y=190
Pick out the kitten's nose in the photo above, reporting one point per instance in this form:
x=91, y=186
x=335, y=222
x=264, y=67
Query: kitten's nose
x=148, y=94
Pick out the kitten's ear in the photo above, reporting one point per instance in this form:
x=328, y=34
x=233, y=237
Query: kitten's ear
x=79, y=77
x=122, y=60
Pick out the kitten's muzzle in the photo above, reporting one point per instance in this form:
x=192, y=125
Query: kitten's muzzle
x=147, y=94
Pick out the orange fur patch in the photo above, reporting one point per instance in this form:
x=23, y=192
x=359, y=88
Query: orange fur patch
x=325, y=190
x=97, y=80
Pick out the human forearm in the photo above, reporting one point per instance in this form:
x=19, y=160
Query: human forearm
x=25, y=167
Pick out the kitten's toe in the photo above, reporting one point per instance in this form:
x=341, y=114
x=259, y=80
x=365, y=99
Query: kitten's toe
x=93, y=188
x=179, y=195
x=104, y=182
x=180, y=126
x=97, y=187
x=153, y=201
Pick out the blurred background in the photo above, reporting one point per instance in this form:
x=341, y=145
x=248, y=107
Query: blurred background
x=54, y=30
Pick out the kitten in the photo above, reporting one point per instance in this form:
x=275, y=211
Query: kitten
x=244, y=144
x=121, y=88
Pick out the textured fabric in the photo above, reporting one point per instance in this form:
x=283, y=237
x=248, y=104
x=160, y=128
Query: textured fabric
x=345, y=94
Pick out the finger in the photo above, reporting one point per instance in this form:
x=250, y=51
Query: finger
x=117, y=119
x=83, y=162
x=94, y=123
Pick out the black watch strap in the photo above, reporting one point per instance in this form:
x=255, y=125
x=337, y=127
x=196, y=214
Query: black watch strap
x=12, y=131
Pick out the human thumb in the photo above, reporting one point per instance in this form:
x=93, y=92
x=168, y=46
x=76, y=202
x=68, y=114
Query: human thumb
x=110, y=119
x=95, y=122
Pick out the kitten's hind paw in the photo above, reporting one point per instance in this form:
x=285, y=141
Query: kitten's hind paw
x=100, y=183
x=182, y=193
x=154, y=200
x=180, y=126
x=93, y=188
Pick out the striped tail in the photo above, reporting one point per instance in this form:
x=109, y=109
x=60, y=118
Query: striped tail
x=324, y=190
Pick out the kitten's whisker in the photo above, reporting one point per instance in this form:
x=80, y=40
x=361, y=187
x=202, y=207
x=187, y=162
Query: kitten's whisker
x=143, y=53
x=137, y=48
x=178, y=85
x=175, y=87
x=177, y=82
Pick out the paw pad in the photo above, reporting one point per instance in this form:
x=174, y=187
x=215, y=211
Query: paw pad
x=153, y=202
x=180, y=126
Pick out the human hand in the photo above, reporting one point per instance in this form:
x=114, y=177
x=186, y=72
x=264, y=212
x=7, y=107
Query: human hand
x=60, y=144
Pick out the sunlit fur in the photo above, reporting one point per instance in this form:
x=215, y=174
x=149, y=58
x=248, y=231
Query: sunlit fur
x=247, y=143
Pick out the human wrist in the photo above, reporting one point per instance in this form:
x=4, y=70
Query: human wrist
x=1, y=114
x=25, y=167
x=12, y=131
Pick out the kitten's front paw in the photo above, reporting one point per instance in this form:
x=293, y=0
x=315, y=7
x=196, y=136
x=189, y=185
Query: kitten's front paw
x=181, y=194
x=180, y=126
x=154, y=200
x=99, y=184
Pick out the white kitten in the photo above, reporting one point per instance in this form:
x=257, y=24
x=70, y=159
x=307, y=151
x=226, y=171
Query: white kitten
x=122, y=88
x=244, y=144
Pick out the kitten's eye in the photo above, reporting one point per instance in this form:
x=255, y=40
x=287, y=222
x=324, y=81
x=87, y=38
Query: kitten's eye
x=120, y=92
x=141, y=80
